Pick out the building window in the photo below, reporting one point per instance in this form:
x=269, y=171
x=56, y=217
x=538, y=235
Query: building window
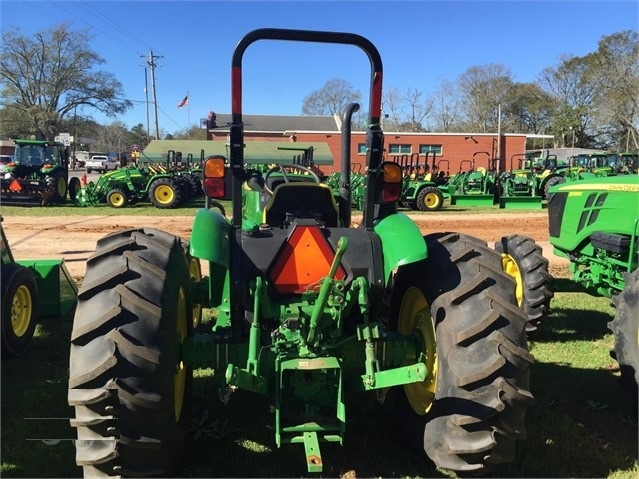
x=423, y=149
x=398, y=149
x=361, y=148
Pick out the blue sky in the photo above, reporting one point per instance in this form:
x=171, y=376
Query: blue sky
x=421, y=43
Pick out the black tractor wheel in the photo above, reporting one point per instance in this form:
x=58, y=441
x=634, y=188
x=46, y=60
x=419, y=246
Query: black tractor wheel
x=196, y=183
x=74, y=188
x=186, y=189
x=117, y=198
x=59, y=183
x=523, y=259
x=625, y=329
x=459, y=306
x=165, y=193
x=19, y=309
x=429, y=199
x=555, y=180
x=127, y=382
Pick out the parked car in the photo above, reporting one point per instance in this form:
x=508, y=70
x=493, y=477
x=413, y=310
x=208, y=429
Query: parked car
x=101, y=163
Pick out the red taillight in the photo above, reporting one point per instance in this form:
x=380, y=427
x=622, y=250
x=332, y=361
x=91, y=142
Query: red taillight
x=391, y=192
x=214, y=187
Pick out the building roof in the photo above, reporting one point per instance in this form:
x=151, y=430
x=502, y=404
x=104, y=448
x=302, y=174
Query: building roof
x=280, y=123
x=264, y=152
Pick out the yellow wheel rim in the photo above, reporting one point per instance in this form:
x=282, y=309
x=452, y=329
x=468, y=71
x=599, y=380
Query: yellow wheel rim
x=415, y=318
x=117, y=199
x=164, y=194
x=509, y=265
x=431, y=200
x=196, y=275
x=180, y=373
x=21, y=311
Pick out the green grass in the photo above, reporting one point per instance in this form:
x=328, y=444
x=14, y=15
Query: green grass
x=583, y=423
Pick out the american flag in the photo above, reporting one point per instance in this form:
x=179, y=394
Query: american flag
x=185, y=101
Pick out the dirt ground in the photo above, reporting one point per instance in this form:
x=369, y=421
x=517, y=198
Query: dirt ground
x=73, y=238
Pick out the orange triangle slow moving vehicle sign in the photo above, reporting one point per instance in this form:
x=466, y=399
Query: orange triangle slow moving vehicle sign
x=303, y=260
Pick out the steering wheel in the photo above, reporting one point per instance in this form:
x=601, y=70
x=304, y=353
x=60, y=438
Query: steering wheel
x=282, y=168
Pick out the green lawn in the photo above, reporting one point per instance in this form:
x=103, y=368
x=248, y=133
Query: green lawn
x=583, y=423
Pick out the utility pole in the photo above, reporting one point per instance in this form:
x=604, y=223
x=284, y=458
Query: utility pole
x=146, y=93
x=152, y=65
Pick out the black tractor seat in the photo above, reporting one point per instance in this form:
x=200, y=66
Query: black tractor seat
x=301, y=200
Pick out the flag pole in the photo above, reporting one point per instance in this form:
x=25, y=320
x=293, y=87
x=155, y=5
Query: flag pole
x=188, y=115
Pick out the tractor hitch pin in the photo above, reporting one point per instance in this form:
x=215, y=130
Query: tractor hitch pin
x=327, y=285
x=224, y=397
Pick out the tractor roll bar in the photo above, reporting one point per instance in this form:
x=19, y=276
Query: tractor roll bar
x=374, y=138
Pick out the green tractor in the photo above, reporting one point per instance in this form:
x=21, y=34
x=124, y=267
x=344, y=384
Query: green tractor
x=528, y=185
x=30, y=289
x=420, y=190
x=131, y=184
x=309, y=314
x=38, y=175
x=595, y=224
x=475, y=185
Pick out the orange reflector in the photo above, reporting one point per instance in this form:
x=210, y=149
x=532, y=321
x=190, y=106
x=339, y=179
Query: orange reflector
x=392, y=172
x=15, y=186
x=214, y=168
x=305, y=259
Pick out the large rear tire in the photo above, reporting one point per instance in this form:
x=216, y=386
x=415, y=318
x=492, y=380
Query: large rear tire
x=554, y=181
x=127, y=382
x=19, y=309
x=523, y=259
x=58, y=181
x=470, y=410
x=625, y=329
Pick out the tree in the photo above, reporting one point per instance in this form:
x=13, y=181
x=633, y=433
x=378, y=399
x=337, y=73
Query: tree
x=573, y=89
x=528, y=109
x=47, y=76
x=446, y=108
x=615, y=68
x=332, y=98
x=407, y=111
x=483, y=89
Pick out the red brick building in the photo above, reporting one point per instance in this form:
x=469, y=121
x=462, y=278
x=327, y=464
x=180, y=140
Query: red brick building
x=451, y=149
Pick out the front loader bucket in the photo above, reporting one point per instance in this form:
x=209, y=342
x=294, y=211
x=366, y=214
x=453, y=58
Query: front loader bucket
x=472, y=200
x=520, y=202
x=57, y=292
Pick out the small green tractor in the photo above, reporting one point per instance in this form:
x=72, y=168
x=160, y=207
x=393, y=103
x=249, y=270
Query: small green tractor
x=527, y=186
x=309, y=313
x=38, y=175
x=156, y=183
x=30, y=289
x=595, y=224
x=420, y=190
x=475, y=185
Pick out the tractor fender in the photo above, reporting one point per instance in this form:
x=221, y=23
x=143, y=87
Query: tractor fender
x=210, y=237
x=402, y=242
